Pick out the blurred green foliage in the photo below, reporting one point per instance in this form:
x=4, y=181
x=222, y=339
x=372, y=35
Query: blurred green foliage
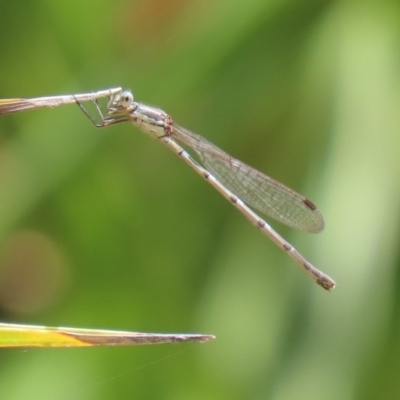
x=107, y=229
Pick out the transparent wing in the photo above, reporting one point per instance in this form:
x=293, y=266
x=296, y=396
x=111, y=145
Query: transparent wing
x=253, y=187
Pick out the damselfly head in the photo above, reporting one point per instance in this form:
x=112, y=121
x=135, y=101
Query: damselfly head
x=121, y=101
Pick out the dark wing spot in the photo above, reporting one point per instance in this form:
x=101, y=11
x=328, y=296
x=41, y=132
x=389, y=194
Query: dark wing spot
x=309, y=204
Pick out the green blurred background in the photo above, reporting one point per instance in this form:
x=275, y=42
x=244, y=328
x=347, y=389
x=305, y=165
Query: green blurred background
x=108, y=229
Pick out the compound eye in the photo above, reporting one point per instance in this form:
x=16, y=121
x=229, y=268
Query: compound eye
x=125, y=99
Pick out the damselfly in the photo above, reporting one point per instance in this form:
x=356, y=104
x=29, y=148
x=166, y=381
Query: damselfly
x=237, y=182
